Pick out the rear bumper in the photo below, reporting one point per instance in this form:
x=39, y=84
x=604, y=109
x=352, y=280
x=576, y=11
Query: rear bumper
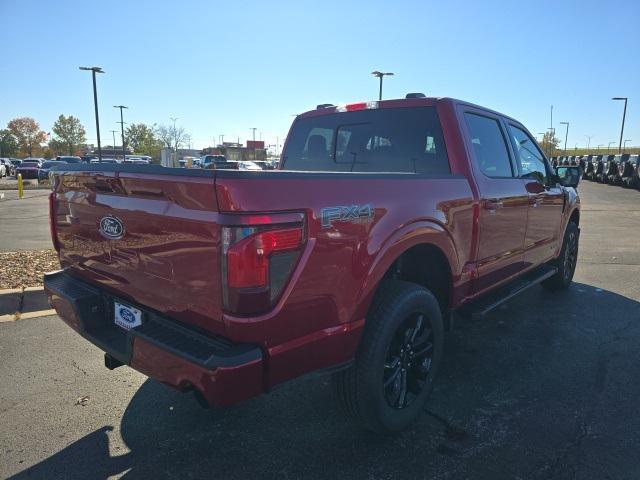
x=223, y=372
x=28, y=173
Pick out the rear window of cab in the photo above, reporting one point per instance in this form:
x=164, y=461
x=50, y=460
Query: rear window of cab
x=396, y=140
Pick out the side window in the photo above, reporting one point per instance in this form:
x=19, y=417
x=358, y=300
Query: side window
x=530, y=160
x=489, y=146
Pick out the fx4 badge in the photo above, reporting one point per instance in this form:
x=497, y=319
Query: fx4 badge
x=352, y=213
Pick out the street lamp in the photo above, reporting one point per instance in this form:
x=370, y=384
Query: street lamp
x=609, y=146
x=625, y=145
x=624, y=114
x=598, y=147
x=589, y=137
x=566, y=134
x=113, y=132
x=95, y=70
x=380, y=75
x=121, y=122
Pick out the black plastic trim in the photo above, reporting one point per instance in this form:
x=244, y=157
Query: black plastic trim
x=94, y=308
x=133, y=168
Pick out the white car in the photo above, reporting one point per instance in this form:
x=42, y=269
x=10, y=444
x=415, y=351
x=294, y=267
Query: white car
x=245, y=165
x=5, y=167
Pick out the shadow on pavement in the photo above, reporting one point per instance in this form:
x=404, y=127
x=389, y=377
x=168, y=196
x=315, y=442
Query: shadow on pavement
x=542, y=388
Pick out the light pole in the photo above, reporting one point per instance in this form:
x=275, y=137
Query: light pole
x=113, y=132
x=624, y=114
x=121, y=122
x=551, y=141
x=254, y=141
x=589, y=137
x=609, y=146
x=624, y=146
x=175, y=143
x=380, y=75
x=566, y=134
x=95, y=70
x=552, y=120
x=598, y=147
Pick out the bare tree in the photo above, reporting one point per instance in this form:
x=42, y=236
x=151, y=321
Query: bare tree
x=172, y=136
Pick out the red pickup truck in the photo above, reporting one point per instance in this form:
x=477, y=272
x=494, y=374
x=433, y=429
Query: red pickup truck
x=383, y=220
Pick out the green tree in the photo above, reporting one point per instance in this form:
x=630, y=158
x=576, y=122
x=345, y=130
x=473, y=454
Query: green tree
x=27, y=133
x=141, y=139
x=8, y=143
x=549, y=144
x=68, y=133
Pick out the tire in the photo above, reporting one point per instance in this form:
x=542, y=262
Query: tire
x=566, y=261
x=404, y=316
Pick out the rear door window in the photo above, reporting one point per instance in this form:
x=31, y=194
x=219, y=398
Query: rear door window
x=489, y=146
x=406, y=140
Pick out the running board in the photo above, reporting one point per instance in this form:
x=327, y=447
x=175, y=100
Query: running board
x=478, y=309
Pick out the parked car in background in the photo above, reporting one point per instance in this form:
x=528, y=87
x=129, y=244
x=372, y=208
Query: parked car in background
x=16, y=163
x=581, y=162
x=601, y=163
x=104, y=160
x=6, y=167
x=628, y=169
x=609, y=169
x=218, y=162
x=136, y=161
x=68, y=159
x=614, y=176
x=248, y=165
x=29, y=167
x=43, y=173
x=589, y=167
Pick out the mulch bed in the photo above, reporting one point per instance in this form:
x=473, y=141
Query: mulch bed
x=26, y=268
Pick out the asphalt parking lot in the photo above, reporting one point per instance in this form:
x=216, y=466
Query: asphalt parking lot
x=545, y=388
x=24, y=222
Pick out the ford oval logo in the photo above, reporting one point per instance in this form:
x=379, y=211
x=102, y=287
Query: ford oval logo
x=127, y=315
x=111, y=227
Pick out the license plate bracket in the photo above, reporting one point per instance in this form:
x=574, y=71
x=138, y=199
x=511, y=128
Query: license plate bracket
x=126, y=316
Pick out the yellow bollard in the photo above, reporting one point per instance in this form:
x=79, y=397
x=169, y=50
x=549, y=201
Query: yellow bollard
x=20, y=187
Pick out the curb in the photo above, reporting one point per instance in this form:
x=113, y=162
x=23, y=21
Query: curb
x=23, y=304
x=19, y=290
x=26, y=316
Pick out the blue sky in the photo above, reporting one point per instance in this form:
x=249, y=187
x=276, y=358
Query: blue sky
x=224, y=67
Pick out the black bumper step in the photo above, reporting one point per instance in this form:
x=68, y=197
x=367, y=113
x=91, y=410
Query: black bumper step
x=479, y=308
x=94, y=309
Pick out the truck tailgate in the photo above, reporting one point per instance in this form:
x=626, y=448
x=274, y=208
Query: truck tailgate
x=146, y=235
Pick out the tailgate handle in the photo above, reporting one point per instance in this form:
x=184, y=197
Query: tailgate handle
x=152, y=193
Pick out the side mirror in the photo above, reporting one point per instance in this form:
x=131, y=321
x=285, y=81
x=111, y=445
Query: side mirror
x=568, y=176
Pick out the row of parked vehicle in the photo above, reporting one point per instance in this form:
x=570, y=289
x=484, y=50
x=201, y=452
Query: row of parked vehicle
x=38, y=168
x=622, y=169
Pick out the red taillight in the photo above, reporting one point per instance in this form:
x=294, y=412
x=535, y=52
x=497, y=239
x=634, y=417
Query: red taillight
x=257, y=263
x=52, y=221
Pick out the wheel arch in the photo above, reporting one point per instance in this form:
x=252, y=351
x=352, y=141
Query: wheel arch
x=422, y=253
